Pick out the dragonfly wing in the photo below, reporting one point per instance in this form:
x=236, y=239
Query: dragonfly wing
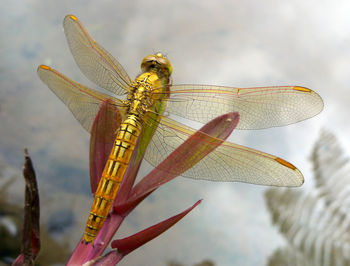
x=93, y=60
x=227, y=162
x=82, y=101
x=261, y=107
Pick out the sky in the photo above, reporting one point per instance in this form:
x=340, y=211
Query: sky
x=234, y=43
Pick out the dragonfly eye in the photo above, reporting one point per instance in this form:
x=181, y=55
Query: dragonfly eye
x=157, y=62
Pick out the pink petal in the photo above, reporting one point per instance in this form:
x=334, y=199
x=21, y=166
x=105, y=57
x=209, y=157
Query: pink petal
x=128, y=244
x=80, y=254
x=111, y=258
x=87, y=252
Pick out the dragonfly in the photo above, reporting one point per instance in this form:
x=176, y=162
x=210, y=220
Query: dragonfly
x=151, y=104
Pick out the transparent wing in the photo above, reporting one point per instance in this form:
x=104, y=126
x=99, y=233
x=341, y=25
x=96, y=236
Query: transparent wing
x=260, y=107
x=83, y=102
x=228, y=161
x=93, y=60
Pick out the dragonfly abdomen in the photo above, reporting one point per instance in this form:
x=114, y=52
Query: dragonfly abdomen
x=112, y=175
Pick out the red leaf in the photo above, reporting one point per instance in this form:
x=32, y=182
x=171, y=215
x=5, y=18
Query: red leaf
x=195, y=148
x=30, y=246
x=128, y=244
x=103, y=133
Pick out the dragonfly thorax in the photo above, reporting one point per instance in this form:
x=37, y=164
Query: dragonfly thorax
x=140, y=98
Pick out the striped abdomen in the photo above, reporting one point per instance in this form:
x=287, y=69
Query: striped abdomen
x=112, y=175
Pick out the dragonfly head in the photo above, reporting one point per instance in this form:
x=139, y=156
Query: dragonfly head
x=158, y=63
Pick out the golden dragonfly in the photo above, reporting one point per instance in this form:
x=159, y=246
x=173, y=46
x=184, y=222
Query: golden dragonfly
x=151, y=101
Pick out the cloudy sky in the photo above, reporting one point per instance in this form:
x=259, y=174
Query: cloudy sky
x=235, y=43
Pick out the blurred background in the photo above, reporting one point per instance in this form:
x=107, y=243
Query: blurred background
x=234, y=43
